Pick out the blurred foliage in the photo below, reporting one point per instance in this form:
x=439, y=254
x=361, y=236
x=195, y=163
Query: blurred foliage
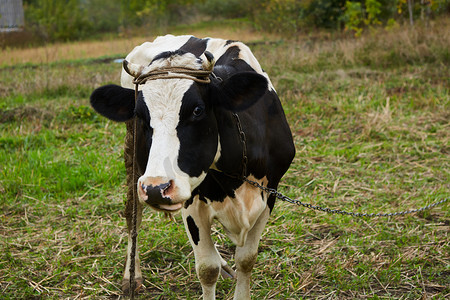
x=76, y=19
x=155, y=12
x=353, y=17
x=56, y=20
x=291, y=15
x=224, y=9
x=102, y=15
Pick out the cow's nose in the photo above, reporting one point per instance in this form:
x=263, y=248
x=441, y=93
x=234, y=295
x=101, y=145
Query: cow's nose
x=157, y=193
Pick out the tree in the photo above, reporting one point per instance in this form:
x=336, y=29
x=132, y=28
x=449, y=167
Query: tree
x=410, y=10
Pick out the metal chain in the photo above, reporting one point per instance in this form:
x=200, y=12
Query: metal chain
x=309, y=205
x=244, y=145
x=338, y=211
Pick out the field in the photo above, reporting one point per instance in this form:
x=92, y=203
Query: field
x=370, y=119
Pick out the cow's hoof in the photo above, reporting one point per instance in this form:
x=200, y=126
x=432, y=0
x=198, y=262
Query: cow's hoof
x=126, y=285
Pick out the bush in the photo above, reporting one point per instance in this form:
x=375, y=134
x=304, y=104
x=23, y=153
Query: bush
x=325, y=13
x=75, y=19
x=103, y=15
x=282, y=16
x=224, y=9
x=290, y=16
x=56, y=20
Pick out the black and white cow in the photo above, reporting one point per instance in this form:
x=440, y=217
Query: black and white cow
x=188, y=144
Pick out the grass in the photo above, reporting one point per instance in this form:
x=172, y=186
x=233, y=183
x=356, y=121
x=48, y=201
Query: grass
x=371, y=128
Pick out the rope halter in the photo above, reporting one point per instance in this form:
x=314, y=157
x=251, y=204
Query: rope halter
x=141, y=73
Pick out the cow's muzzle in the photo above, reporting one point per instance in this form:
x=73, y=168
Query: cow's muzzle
x=159, y=195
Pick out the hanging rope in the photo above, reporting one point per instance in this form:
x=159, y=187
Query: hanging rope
x=200, y=76
x=134, y=215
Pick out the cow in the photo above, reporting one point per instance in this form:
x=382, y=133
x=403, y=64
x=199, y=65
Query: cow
x=198, y=142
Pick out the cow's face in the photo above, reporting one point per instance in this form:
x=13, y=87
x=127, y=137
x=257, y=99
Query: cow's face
x=181, y=140
x=177, y=135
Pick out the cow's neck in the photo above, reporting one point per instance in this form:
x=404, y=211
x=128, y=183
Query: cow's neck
x=231, y=152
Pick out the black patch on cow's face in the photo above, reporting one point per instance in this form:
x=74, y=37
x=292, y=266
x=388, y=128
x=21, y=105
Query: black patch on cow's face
x=114, y=102
x=193, y=230
x=144, y=134
x=195, y=46
x=197, y=132
x=167, y=54
x=142, y=110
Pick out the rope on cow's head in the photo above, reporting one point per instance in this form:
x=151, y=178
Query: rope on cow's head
x=201, y=76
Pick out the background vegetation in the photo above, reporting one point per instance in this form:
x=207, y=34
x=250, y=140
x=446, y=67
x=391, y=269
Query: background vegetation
x=370, y=119
x=62, y=20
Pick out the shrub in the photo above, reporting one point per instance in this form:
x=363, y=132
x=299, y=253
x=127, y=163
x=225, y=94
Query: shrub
x=324, y=13
x=56, y=20
x=224, y=9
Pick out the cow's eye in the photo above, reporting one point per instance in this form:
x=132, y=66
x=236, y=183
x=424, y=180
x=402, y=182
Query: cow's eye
x=198, y=111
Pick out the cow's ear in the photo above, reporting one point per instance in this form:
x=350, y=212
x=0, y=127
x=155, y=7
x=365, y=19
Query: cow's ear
x=242, y=90
x=114, y=102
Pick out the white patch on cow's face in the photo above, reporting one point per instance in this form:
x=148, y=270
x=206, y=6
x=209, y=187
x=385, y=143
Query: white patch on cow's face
x=143, y=54
x=163, y=99
x=187, y=60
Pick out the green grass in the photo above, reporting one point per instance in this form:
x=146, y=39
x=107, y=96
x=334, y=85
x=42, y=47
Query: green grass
x=370, y=137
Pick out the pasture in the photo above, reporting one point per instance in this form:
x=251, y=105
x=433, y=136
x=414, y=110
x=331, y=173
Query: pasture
x=370, y=119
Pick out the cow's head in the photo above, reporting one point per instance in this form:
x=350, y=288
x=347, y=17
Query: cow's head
x=177, y=132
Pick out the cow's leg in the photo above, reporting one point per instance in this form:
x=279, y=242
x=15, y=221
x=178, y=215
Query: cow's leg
x=208, y=262
x=137, y=270
x=246, y=255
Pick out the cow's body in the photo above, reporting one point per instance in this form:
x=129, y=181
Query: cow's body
x=189, y=149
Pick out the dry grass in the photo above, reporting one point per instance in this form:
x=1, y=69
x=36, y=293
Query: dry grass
x=118, y=46
x=69, y=51
x=397, y=47
x=360, y=253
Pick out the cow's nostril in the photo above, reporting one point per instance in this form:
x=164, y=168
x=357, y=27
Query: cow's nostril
x=167, y=188
x=144, y=188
